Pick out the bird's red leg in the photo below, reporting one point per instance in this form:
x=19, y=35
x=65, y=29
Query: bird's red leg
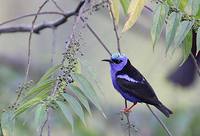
x=128, y=109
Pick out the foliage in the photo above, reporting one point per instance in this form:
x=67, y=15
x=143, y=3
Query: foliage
x=64, y=89
x=61, y=89
x=180, y=16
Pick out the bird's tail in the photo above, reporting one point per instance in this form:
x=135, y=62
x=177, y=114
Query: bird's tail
x=164, y=109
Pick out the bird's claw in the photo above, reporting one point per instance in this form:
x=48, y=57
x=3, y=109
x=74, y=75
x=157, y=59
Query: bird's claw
x=126, y=110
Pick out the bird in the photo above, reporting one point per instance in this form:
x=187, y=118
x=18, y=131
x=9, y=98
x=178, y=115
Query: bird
x=132, y=85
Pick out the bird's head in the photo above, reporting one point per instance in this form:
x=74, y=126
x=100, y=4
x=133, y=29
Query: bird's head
x=117, y=61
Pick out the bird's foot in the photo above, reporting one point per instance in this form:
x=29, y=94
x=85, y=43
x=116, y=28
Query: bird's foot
x=128, y=109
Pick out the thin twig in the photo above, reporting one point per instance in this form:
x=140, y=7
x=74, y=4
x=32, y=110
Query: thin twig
x=29, y=53
x=127, y=117
x=160, y=121
x=97, y=37
x=148, y=8
x=115, y=27
x=29, y=39
x=57, y=6
x=128, y=123
x=39, y=27
x=43, y=125
x=196, y=64
x=30, y=15
x=49, y=122
x=53, y=48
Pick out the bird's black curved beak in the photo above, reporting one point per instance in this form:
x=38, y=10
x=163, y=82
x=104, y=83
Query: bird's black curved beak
x=108, y=60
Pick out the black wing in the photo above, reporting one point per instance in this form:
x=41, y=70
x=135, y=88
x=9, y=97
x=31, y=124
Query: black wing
x=137, y=85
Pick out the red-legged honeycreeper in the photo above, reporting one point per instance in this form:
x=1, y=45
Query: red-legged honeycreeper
x=130, y=83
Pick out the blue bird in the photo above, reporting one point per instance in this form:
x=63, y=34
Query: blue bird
x=130, y=83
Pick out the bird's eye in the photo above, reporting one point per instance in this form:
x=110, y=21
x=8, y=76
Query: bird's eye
x=116, y=61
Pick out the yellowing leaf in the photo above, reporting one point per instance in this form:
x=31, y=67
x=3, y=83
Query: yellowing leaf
x=134, y=11
x=115, y=9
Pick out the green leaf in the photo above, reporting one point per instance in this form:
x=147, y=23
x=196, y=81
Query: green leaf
x=171, y=27
x=88, y=90
x=75, y=105
x=49, y=72
x=192, y=7
x=187, y=46
x=170, y=2
x=183, y=4
x=66, y=112
x=115, y=10
x=134, y=11
x=198, y=40
x=198, y=15
x=183, y=29
x=27, y=105
x=45, y=85
x=40, y=116
x=77, y=91
x=176, y=3
x=7, y=123
x=160, y=14
x=125, y=4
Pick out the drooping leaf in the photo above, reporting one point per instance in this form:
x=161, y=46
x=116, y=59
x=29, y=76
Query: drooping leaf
x=183, y=29
x=192, y=7
x=160, y=14
x=87, y=90
x=27, y=105
x=183, y=4
x=49, y=72
x=171, y=27
x=125, y=4
x=198, y=14
x=91, y=74
x=40, y=116
x=77, y=91
x=75, y=105
x=176, y=3
x=170, y=2
x=7, y=123
x=198, y=40
x=187, y=46
x=45, y=85
x=134, y=11
x=115, y=10
x=66, y=111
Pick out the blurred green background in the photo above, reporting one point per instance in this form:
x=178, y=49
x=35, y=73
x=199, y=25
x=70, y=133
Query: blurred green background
x=136, y=44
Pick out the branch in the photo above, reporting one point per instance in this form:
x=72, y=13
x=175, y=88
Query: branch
x=29, y=53
x=39, y=27
x=160, y=121
x=115, y=27
x=30, y=15
x=97, y=37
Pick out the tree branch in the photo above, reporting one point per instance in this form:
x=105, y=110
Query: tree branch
x=39, y=27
